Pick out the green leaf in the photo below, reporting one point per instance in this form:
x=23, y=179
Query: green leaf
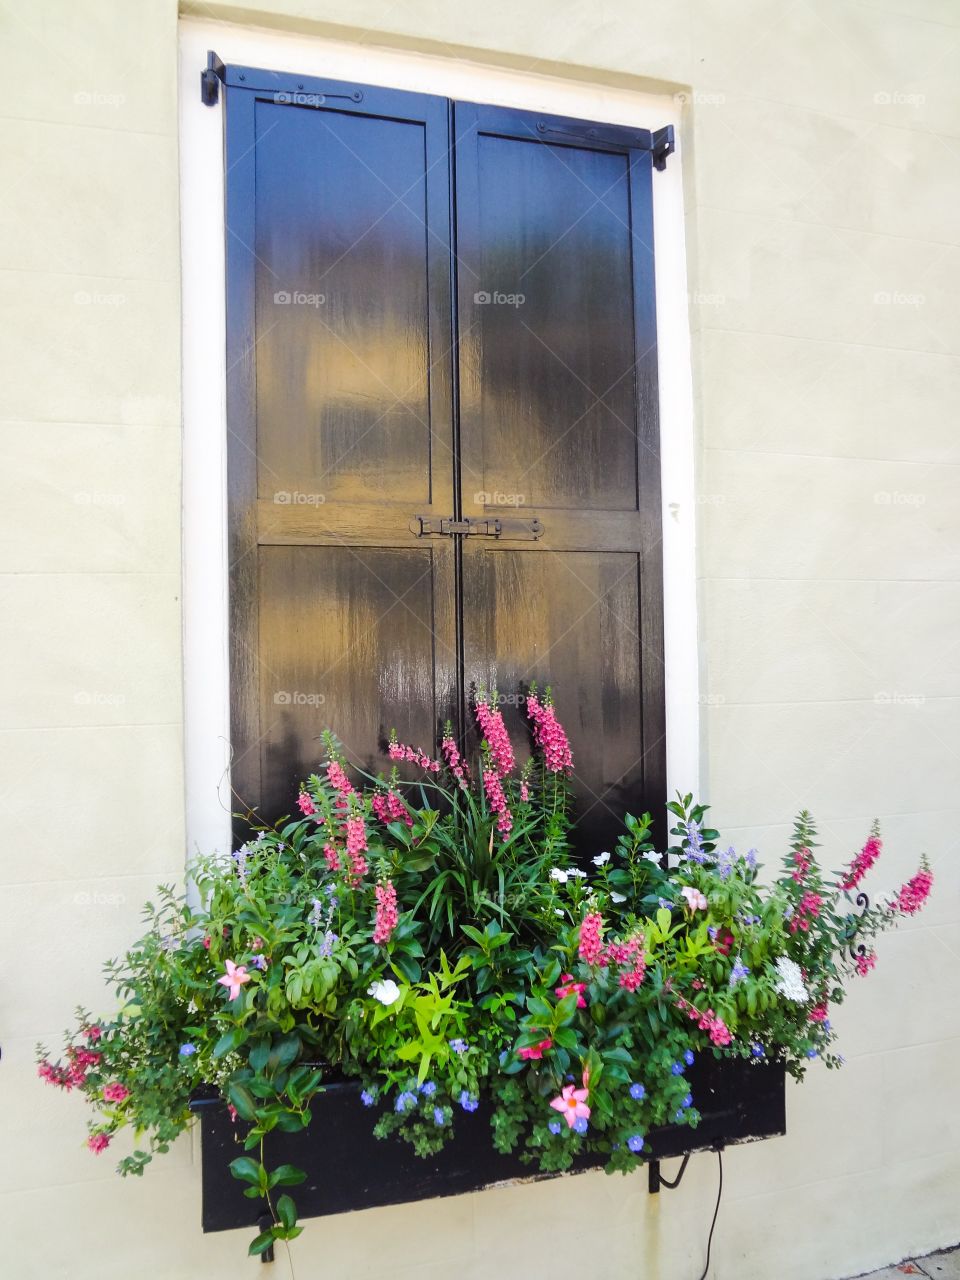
x=287, y=1175
x=262, y=1243
x=287, y=1212
x=246, y=1170
x=242, y=1099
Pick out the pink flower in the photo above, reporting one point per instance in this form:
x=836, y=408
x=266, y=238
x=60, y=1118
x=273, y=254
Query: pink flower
x=819, y=1012
x=340, y=782
x=549, y=735
x=572, y=1104
x=495, y=733
x=914, y=893
x=534, y=1052
x=570, y=987
x=802, y=861
x=708, y=1021
x=332, y=857
x=115, y=1093
x=524, y=792
x=356, y=847
x=591, y=944
x=307, y=807
x=862, y=863
x=695, y=899
x=98, y=1142
x=863, y=964
x=386, y=919
x=234, y=978
x=455, y=762
x=498, y=801
x=398, y=751
x=388, y=807
x=93, y=1033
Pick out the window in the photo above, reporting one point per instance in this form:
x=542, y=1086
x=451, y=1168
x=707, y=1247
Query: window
x=443, y=440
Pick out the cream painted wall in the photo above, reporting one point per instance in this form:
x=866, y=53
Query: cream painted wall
x=822, y=142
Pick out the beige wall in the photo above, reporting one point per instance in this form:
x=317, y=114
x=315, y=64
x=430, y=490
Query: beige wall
x=822, y=154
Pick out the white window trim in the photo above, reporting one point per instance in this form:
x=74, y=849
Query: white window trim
x=205, y=563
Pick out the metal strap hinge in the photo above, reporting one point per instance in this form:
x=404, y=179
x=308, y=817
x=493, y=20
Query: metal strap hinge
x=476, y=527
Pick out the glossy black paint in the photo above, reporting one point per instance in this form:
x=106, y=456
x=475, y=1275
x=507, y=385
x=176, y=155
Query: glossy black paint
x=347, y=1168
x=439, y=313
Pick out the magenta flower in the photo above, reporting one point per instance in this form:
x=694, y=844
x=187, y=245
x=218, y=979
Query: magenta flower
x=534, y=1052
x=115, y=1093
x=572, y=1104
x=234, y=978
x=495, y=734
x=549, y=735
x=98, y=1142
x=386, y=917
x=307, y=807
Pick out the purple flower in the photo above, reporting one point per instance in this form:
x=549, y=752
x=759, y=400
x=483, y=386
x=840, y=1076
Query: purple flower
x=259, y=962
x=580, y=1125
x=635, y=1142
x=326, y=946
x=752, y=859
x=694, y=842
x=439, y=1116
x=458, y=1045
x=187, y=1050
x=688, y=1057
x=637, y=1091
x=738, y=972
x=554, y=1126
x=712, y=930
x=404, y=1102
x=468, y=1101
x=368, y=1098
x=428, y=1088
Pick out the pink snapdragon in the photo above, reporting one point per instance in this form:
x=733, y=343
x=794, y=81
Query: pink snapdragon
x=412, y=755
x=634, y=955
x=497, y=801
x=98, y=1142
x=356, y=848
x=332, y=857
x=572, y=1104
x=386, y=918
x=911, y=896
x=307, y=807
x=549, y=735
x=455, y=761
x=708, y=1021
x=494, y=731
x=115, y=1092
x=591, y=941
x=862, y=862
x=388, y=807
x=337, y=777
x=808, y=909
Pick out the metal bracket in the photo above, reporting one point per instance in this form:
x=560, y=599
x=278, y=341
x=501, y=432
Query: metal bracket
x=664, y=144
x=264, y=1222
x=476, y=527
x=210, y=80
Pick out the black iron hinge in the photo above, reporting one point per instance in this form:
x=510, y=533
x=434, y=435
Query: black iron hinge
x=664, y=144
x=210, y=79
x=476, y=527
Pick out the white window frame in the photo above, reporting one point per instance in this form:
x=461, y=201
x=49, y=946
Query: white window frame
x=203, y=295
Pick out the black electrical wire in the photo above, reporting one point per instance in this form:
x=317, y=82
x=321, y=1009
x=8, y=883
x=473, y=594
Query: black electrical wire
x=703, y=1275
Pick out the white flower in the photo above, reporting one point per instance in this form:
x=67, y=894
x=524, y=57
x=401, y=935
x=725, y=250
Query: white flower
x=557, y=911
x=561, y=877
x=618, y=897
x=385, y=991
x=575, y=871
x=791, y=981
x=601, y=859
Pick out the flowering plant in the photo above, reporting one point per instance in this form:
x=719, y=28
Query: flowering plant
x=437, y=940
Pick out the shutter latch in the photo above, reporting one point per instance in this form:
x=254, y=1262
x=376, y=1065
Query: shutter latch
x=476, y=527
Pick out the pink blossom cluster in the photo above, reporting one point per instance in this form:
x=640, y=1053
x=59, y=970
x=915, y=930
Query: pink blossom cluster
x=524, y=792
x=74, y=1074
x=591, y=941
x=455, y=761
x=332, y=857
x=708, y=1021
x=98, y=1142
x=356, y=847
x=497, y=801
x=569, y=988
x=819, y=1012
x=802, y=861
x=307, y=807
x=388, y=807
x=807, y=910
x=386, y=919
x=864, y=963
x=498, y=741
x=862, y=863
x=914, y=893
x=631, y=952
x=412, y=755
x=340, y=782
x=628, y=955
x=115, y=1092
x=549, y=735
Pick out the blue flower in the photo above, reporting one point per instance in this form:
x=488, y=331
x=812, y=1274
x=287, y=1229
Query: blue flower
x=439, y=1116
x=404, y=1102
x=554, y=1126
x=368, y=1098
x=756, y=1050
x=752, y=859
x=637, y=1091
x=635, y=1142
x=812, y=1053
x=428, y=1088
x=678, y=1117
x=677, y=1069
x=688, y=1101
x=826, y=1024
x=688, y=1057
x=458, y=1045
x=712, y=930
x=468, y=1101
x=580, y=1125
x=186, y=1050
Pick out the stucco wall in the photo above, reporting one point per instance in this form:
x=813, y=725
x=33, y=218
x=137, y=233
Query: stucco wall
x=822, y=168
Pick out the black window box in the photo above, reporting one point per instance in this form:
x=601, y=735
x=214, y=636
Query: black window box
x=348, y=1168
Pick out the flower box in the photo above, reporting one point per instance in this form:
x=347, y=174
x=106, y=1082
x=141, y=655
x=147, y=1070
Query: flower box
x=348, y=1168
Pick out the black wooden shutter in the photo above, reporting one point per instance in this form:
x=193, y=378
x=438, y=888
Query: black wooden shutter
x=429, y=325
